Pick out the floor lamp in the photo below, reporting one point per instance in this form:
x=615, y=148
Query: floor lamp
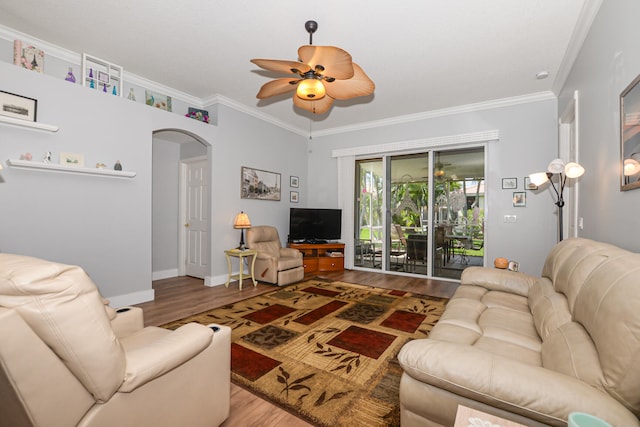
x=558, y=168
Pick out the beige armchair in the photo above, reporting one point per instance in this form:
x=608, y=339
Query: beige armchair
x=68, y=359
x=274, y=264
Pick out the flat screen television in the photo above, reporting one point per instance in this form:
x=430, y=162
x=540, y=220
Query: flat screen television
x=314, y=225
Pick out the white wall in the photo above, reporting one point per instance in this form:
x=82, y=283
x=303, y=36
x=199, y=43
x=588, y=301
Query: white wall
x=608, y=62
x=528, y=140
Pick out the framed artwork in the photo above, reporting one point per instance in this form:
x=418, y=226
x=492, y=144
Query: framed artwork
x=259, y=184
x=157, y=100
x=630, y=136
x=18, y=107
x=27, y=56
x=519, y=199
x=509, y=183
x=294, y=182
x=528, y=185
x=293, y=197
x=72, y=159
x=103, y=77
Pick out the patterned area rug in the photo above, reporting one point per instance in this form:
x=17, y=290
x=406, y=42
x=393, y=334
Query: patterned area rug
x=325, y=351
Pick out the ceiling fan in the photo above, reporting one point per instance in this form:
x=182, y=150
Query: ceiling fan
x=322, y=74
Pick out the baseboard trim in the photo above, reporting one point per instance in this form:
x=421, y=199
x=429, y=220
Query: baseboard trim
x=164, y=274
x=132, y=298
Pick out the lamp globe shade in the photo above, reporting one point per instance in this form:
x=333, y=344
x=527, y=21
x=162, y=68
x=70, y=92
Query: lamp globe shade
x=573, y=170
x=538, y=178
x=556, y=166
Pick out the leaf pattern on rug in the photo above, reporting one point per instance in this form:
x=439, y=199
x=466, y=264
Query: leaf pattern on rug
x=347, y=360
x=295, y=385
x=323, y=397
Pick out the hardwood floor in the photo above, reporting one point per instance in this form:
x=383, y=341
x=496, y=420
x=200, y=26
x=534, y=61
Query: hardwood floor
x=180, y=297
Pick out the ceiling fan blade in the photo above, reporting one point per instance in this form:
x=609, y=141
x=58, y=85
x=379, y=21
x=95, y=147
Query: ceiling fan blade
x=336, y=62
x=277, y=87
x=319, y=106
x=359, y=85
x=281, y=66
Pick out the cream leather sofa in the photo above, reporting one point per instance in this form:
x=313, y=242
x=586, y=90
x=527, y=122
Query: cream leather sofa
x=533, y=349
x=68, y=359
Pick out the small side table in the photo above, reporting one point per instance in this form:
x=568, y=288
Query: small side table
x=237, y=253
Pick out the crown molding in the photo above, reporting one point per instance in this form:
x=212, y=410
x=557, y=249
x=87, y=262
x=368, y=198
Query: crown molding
x=580, y=32
x=10, y=34
x=469, y=108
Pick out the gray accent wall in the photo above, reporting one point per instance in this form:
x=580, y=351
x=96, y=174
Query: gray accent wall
x=608, y=61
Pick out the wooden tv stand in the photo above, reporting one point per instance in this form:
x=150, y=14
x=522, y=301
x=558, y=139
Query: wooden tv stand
x=317, y=256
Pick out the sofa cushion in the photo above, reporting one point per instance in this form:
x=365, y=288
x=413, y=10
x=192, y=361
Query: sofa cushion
x=548, y=308
x=62, y=305
x=607, y=307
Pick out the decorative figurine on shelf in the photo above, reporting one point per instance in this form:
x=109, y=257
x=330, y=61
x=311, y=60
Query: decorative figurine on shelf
x=117, y=166
x=92, y=83
x=100, y=166
x=114, y=91
x=70, y=77
x=104, y=88
x=26, y=156
x=132, y=95
x=47, y=157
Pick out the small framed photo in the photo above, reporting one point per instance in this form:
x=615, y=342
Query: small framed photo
x=27, y=56
x=157, y=100
x=528, y=185
x=513, y=266
x=294, y=182
x=519, y=199
x=293, y=197
x=103, y=77
x=509, y=183
x=72, y=159
x=18, y=107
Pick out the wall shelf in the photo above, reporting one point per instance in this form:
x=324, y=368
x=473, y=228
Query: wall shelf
x=28, y=124
x=51, y=167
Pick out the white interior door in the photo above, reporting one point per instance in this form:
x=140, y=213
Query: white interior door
x=194, y=201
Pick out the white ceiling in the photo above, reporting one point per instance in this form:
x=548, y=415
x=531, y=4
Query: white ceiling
x=423, y=55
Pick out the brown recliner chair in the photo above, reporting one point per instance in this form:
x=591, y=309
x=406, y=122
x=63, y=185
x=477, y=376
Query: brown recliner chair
x=274, y=264
x=68, y=359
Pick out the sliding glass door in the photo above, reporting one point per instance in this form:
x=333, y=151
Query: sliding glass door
x=421, y=213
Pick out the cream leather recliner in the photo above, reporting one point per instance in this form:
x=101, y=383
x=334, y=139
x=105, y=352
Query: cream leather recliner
x=274, y=264
x=68, y=359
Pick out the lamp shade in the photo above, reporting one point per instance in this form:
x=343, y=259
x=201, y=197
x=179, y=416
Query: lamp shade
x=310, y=89
x=573, y=170
x=556, y=166
x=242, y=221
x=538, y=178
x=631, y=167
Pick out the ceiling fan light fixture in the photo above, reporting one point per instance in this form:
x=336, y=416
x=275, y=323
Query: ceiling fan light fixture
x=310, y=89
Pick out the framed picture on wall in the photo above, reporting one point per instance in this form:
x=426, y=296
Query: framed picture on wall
x=528, y=185
x=509, y=183
x=18, y=107
x=519, y=199
x=259, y=184
x=293, y=197
x=294, y=182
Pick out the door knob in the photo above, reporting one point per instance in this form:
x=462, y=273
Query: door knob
x=187, y=225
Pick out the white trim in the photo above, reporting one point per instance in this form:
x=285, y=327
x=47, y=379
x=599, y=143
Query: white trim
x=52, y=167
x=10, y=34
x=218, y=280
x=164, y=274
x=10, y=121
x=449, y=140
x=580, y=32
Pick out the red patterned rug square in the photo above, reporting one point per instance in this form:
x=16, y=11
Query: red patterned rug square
x=250, y=364
x=269, y=314
x=404, y=321
x=320, y=312
x=363, y=341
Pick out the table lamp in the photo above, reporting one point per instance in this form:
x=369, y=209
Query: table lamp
x=242, y=221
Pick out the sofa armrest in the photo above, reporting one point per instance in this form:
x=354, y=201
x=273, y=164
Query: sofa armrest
x=498, y=280
x=173, y=349
x=290, y=253
x=502, y=382
x=128, y=320
x=265, y=256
